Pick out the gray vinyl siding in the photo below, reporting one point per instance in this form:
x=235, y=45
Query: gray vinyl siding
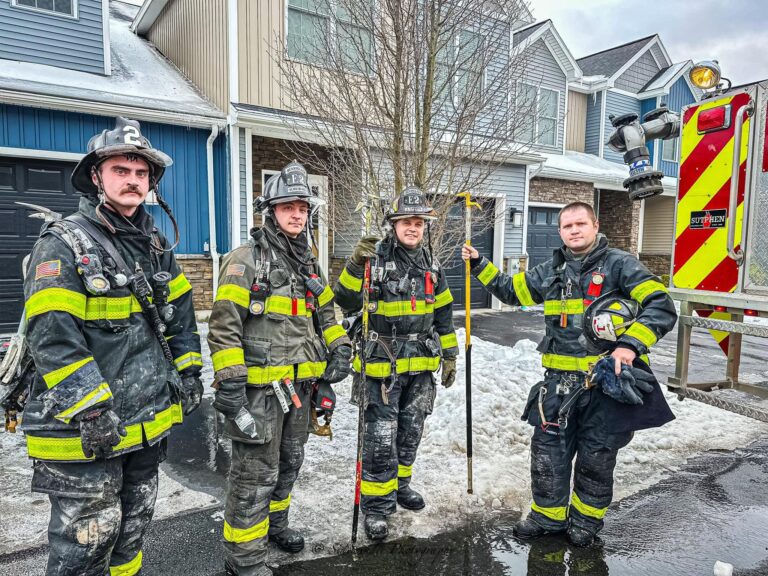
x=542, y=69
x=638, y=74
x=41, y=38
x=509, y=180
x=617, y=104
x=592, y=137
x=244, y=206
x=679, y=96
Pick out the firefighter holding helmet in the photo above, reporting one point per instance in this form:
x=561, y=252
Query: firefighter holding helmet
x=276, y=349
x=113, y=336
x=628, y=309
x=411, y=333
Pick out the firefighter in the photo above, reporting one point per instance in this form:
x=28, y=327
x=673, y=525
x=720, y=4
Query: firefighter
x=411, y=329
x=569, y=419
x=106, y=392
x=275, y=342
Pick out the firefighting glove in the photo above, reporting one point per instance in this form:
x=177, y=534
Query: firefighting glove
x=339, y=365
x=628, y=387
x=230, y=396
x=192, y=393
x=100, y=431
x=449, y=372
x=365, y=248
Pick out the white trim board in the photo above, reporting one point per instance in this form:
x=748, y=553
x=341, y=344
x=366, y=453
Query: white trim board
x=42, y=154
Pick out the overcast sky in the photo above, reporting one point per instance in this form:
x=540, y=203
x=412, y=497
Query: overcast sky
x=735, y=32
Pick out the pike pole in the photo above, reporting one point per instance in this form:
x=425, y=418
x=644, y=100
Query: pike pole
x=468, y=205
x=363, y=384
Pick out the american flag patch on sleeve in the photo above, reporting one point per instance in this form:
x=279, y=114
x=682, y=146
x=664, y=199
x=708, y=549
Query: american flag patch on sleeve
x=235, y=270
x=48, y=269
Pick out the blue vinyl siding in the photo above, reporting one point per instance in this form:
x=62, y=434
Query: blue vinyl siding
x=184, y=185
x=679, y=95
x=592, y=136
x=646, y=106
x=73, y=43
x=617, y=104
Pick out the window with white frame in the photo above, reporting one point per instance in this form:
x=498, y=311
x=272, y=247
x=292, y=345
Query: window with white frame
x=317, y=26
x=459, y=73
x=537, y=106
x=58, y=7
x=669, y=149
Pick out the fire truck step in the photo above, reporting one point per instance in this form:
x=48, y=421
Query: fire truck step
x=725, y=326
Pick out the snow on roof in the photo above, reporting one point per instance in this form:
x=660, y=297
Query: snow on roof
x=582, y=167
x=141, y=76
x=664, y=77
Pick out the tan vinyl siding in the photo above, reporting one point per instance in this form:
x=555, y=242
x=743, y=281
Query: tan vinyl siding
x=260, y=27
x=658, y=225
x=193, y=35
x=576, y=122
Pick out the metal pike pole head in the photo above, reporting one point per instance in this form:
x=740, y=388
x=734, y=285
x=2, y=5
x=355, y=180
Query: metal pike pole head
x=42, y=213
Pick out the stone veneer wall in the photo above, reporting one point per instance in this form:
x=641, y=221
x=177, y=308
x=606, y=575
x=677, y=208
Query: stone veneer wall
x=199, y=272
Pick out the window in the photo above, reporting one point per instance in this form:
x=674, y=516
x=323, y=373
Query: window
x=537, y=107
x=669, y=149
x=462, y=54
x=59, y=7
x=317, y=26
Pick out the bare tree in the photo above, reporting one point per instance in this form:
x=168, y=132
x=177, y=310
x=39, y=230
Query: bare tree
x=406, y=92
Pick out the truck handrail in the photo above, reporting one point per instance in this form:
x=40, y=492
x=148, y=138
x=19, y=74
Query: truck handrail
x=738, y=256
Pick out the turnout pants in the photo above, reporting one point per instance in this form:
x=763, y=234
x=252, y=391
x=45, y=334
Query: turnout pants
x=393, y=432
x=261, y=477
x=100, y=511
x=583, y=435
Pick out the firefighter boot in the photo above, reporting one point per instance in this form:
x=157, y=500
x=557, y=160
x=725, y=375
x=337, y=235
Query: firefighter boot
x=288, y=540
x=579, y=536
x=409, y=499
x=529, y=528
x=376, y=526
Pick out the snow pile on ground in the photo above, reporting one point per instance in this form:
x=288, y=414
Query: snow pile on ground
x=501, y=379
x=24, y=515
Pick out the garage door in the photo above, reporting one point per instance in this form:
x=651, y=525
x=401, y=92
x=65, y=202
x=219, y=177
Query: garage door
x=41, y=182
x=543, y=236
x=482, y=239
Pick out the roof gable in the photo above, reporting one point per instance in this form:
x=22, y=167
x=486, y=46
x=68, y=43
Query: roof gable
x=614, y=60
x=547, y=32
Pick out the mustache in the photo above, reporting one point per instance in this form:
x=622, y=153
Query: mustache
x=131, y=188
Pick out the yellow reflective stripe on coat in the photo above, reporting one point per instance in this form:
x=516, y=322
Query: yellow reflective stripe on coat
x=555, y=307
x=178, y=287
x=325, y=296
x=234, y=293
x=403, y=308
x=267, y=374
x=280, y=505
x=71, y=448
x=350, y=282
x=520, y=285
x=101, y=393
x=404, y=471
x=129, y=568
x=586, y=509
x=333, y=333
x=56, y=300
x=642, y=333
x=449, y=340
x=108, y=308
x=404, y=366
x=642, y=291
x=554, y=512
x=284, y=305
x=488, y=273
x=573, y=363
x=56, y=376
x=240, y=535
x=368, y=488
x=443, y=299
x=187, y=360
x=227, y=357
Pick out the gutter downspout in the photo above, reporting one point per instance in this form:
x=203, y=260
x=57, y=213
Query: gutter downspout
x=212, y=207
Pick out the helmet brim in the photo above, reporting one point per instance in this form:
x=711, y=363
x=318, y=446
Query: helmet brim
x=81, y=175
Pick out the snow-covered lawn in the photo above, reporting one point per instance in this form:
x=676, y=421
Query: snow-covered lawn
x=323, y=496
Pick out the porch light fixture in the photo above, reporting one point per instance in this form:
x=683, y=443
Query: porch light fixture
x=515, y=217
